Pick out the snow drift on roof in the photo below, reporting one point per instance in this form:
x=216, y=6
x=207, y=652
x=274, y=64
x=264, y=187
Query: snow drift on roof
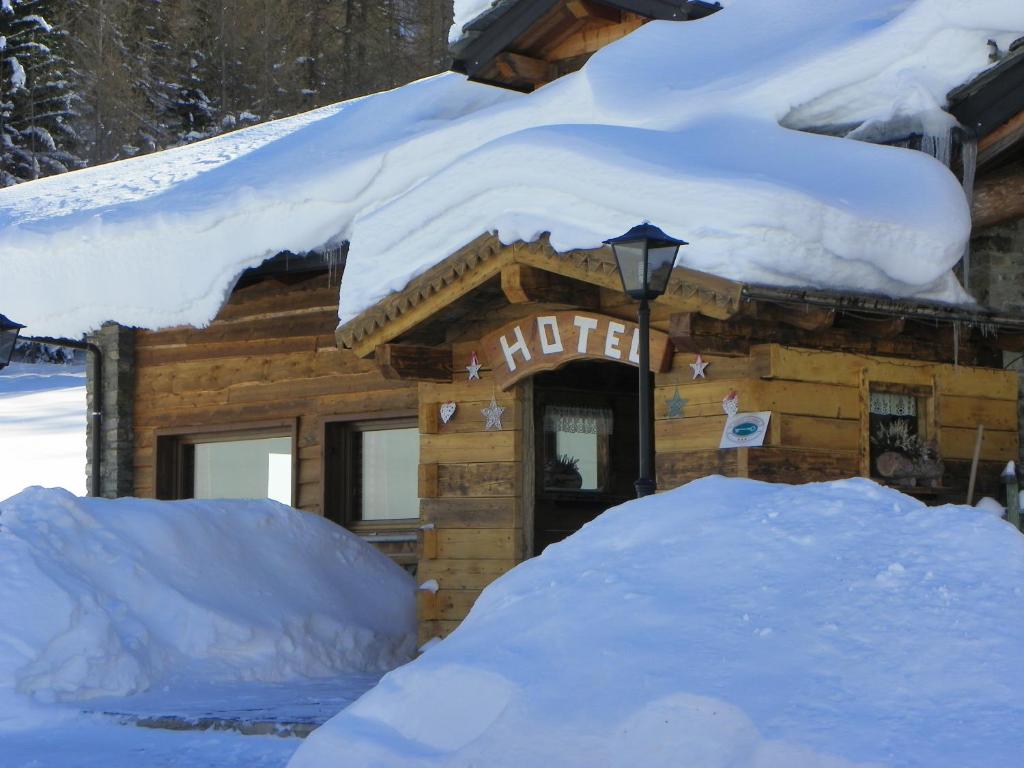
x=678, y=123
x=724, y=623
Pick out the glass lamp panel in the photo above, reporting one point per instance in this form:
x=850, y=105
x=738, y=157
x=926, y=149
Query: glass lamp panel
x=661, y=259
x=630, y=257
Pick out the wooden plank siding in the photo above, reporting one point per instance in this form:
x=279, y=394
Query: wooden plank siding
x=472, y=500
x=270, y=355
x=819, y=413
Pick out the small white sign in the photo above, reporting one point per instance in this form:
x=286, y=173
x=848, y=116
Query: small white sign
x=745, y=430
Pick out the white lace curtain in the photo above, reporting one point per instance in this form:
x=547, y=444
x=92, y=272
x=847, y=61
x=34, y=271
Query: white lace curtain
x=585, y=421
x=891, y=404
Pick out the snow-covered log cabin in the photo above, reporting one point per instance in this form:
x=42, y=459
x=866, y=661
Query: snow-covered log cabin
x=474, y=397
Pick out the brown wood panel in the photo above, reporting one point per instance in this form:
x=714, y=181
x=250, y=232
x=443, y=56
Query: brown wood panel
x=477, y=544
x=795, y=465
x=463, y=574
x=469, y=513
x=470, y=446
x=677, y=468
x=696, y=434
x=720, y=368
x=498, y=478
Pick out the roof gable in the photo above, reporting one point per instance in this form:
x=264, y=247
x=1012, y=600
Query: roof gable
x=523, y=44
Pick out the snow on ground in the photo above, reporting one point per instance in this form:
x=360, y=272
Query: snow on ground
x=42, y=427
x=725, y=623
x=678, y=123
x=111, y=598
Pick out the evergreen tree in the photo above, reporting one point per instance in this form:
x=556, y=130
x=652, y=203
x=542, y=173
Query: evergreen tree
x=36, y=135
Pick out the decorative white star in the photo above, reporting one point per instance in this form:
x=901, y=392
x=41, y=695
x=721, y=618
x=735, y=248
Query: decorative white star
x=698, y=366
x=474, y=368
x=492, y=414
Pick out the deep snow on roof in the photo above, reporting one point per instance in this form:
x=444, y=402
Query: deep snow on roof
x=676, y=123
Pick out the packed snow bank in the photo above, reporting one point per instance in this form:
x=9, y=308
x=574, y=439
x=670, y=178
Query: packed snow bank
x=678, y=123
x=725, y=623
x=42, y=427
x=106, y=597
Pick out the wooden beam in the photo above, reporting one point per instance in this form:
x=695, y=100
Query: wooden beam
x=876, y=328
x=999, y=198
x=412, y=363
x=807, y=317
x=522, y=283
x=595, y=12
x=683, y=330
x=1001, y=139
x=517, y=68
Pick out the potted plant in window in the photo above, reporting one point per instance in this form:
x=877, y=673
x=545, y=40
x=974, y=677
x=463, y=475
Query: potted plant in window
x=563, y=472
x=905, y=458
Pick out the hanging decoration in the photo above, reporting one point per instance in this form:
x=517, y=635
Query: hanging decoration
x=698, y=367
x=448, y=411
x=492, y=415
x=731, y=403
x=675, y=405
x=474, y=367
x=578, y=420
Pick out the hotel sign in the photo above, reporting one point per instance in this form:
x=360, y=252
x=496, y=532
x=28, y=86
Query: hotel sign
x=545, y=342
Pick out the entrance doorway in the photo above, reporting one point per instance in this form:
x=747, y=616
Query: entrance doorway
x=585, y=423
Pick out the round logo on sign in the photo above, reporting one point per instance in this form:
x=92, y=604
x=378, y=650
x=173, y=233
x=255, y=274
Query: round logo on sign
x=745, y=430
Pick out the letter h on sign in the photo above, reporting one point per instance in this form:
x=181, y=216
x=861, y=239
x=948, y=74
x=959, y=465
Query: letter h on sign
x=519, y=346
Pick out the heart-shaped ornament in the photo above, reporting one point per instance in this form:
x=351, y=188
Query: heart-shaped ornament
x=447, y=411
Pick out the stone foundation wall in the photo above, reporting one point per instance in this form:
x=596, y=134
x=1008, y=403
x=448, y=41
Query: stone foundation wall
x=997, y=280
x=116, y=460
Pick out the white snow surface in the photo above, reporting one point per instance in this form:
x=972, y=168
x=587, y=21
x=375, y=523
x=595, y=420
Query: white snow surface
x=726, y=623
x=42, y=427
x=112, y=597
x=678, y=123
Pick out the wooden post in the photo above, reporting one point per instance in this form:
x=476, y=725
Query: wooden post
x=974, y=463
x=1012, y=495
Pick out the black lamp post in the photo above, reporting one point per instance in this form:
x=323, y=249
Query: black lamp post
x=9, y=331
x=645, y=256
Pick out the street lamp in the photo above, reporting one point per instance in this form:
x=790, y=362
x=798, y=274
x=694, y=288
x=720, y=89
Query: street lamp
x=645, y=256
x=9, y=331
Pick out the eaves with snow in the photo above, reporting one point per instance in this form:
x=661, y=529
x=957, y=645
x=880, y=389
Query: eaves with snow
x=694, y=126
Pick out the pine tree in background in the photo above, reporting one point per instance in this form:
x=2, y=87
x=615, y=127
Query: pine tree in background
x=37, y=137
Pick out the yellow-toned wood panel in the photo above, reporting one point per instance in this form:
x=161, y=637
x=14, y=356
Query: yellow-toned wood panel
x=813, y=432
x=847, y=369
x=806, y=399
x=720, y=368
x=446, y=604
x=996, y=445
x=969, y=412
x=463, y=447
x=699, y=433
x=428, y=630
x=463, y=574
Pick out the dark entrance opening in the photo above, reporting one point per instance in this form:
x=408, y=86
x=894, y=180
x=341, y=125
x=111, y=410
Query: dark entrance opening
x=586, y=450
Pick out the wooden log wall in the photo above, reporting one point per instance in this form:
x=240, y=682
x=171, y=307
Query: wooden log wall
x=475, y=496
x=270, y=355
x=818, y=428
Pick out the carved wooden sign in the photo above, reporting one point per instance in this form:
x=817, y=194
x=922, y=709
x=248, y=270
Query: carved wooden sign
x=545, y=342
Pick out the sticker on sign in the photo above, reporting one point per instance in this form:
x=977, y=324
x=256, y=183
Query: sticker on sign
x=745, y=430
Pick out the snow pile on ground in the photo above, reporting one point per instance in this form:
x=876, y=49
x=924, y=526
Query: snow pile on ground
x=678, y=123
x=106, y=597
x=725, y=623
x=42, y=427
